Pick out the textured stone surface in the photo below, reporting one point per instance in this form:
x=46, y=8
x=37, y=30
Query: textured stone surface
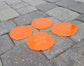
x=35, y=3
x=79, y=0
x=5, y=43
x=72, y=57
x=3, y=6
x=64, y=14
x=34, y=30
x=65, y=3
x=73, y=5
x=26, y=10
x=80, y=33
x=0, y=63
x=10, y=2
x=23, y=56
x=61, y=44
x=6, y=12
x=53, y=1
x=81, y=18
x=19, y=5
x=20, y=41
x=54, y=22
x=46, y=6
x=28, y=18
x=6, y=26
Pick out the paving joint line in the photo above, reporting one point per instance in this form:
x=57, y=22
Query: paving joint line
x=69, y=9
x=11, y=39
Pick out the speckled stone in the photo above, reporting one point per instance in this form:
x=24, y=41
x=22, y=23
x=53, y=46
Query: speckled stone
x=61, y=44
x=28, y=18
x=5, y=43
x=6, y=27
x=72, y=57
x=0, y=63
x=23, y=56
x=61, y=13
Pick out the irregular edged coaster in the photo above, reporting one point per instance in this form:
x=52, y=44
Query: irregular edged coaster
x=42, y=23
x=40, y=41
x=21, y=32
x=64, y=29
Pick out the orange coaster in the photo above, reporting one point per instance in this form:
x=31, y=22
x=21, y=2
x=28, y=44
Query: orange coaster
x=21, y=32
x=64, y=29
x=40, y=41
x=42, y=23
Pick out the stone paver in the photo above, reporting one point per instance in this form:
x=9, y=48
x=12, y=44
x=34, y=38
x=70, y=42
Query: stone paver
x=61, y=44
x=62, y=14
x=34, y=30
x=34, y=3
x=6, y=12
x=81, y=18
x=72, y=57
x=65, y=51
x=79, y=0
x=0, y=63
x=23, y=56
x=28, y=18
x=20, y=41
x=54, y=22
x=10, y=2
x=19, y=5
x=5, y=43
x=73, y=5
x=46, y=6
x=6, y=26
x=26, y=10
x=79, y=36
x=53, y=1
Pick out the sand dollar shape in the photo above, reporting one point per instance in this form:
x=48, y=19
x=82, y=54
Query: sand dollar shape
x=42, y=23
x=64, y=29
x=20, y=32
x=40, y=41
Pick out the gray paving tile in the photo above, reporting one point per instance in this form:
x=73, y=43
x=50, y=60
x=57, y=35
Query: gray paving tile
x=73, y=5
x=23, y=56
x=53, y=1
x=72, y=57
x=34, y=30
x=61, y=44
x=80, y=33
x=63, y=14
x=20, y=41
x=54, y=22
x=79, y=0
x=28, y=18
x=6, y=27
x=26, y=10
x=46, y=6
x=3, y=6
x=65, y=3
x=19, y=5
x=10, y=2
x=0, y=63
x=5, y=43
x=81, y=18
x=6, y=12
x=35, y=3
